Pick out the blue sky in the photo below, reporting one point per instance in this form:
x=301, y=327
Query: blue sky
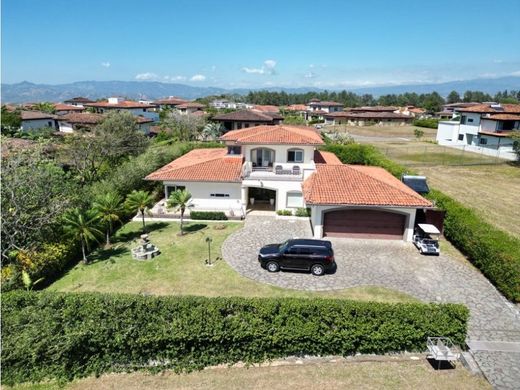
x=232, y=44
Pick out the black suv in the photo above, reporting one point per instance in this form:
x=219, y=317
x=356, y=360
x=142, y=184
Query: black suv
x=316, y=256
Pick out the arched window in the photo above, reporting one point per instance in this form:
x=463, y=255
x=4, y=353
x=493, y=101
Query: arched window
x=295, y=155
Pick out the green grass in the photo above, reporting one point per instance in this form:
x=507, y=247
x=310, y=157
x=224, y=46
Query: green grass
x=181, y=270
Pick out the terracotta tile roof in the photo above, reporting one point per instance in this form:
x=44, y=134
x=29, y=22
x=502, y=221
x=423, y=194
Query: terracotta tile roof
x=248, y=116
x=502, y=117
x=461, y=104
x=67, y=107
x=265, y=108
x=198, y=113
x=324, y=104
x=358, y=185
x=78, y=99
x=121, y=104
x=33, y=115
x=322, y=157
x=81, y=117
x=142, y=119
x=506, y=133
x=211, y=165
x=367, y=115
x=172, y=100
x=190, y=105
x=488, y=108
x=277, y=135
x=296, y=107
x=373, y=109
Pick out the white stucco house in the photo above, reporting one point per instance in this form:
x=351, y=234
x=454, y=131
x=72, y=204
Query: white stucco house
x=35, y=120
x=483, y=128
x=280, y=167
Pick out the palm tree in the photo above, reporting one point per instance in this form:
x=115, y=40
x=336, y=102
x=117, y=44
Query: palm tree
x=110, y=208
x=212, y=131
x=83, y=226
x=180, y=199
x=140, y=201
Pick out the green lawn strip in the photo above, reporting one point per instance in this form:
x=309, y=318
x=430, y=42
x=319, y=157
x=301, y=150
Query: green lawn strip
x=181, y=269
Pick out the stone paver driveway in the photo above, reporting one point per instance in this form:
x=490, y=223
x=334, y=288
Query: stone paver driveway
x=399, y=266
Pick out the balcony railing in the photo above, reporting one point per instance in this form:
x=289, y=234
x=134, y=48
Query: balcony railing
x=283, y=171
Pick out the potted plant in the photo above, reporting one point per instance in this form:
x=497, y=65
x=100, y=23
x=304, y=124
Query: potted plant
x=252, y=201
x=271, y=201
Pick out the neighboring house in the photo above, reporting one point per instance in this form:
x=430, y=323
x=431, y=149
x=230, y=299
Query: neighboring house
x=78, y=101
x=34, y=120
x=317, y=105
x=359, y=118
x=226, y=104
x=247, y=118
x=485, y=128
x=119, y=104
x=170, y=102
x=61, y=109
x=450, y=110
x=414, y=112
x=72, y=122
x=190, y=108
x=279, y=167
x=266, y=108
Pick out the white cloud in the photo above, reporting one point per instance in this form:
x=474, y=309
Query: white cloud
x=309, y=75
x=105, y=64
x=198, y=77
x=146, y=76
x=267, y=68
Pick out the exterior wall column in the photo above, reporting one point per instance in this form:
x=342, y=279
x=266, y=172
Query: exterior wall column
x=165, y=192
x=244, y=194
x=410, y=223
x=316, y=221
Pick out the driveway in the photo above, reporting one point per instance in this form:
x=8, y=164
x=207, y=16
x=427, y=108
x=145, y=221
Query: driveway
x=399, y=266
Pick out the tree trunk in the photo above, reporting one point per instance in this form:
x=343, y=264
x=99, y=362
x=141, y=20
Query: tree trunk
x=142, y=216
x=182, y=218
x=109, y=231
x=83, y=251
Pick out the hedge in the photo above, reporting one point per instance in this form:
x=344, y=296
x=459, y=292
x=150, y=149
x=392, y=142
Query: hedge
x=493, y=251
x=431, y=123
x=64, y=336
x=208, y=215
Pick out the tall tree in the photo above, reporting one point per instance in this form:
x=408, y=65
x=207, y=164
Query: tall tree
x=180, y=200
x=47, y=107
x=453, y=97
x=84, y=227
x=110, y=208
x=140, y=202
x=11, y=119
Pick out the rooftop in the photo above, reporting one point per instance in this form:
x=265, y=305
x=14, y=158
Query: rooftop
x=120, y=104
x=487, y=108
x=373, y=109
x=358, y=185
x=266, y=108
x=79, y=99
x=81, y=117
x=67, y=107
x=367, y=115
x=172, y=100
x=211, y=165
x=248, y=115
x=34, y=115
x=276, y=135
x=322, y=157
x=191, y=105
x=314, y=102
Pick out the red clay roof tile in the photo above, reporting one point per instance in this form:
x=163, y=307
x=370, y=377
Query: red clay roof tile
x=278, y=135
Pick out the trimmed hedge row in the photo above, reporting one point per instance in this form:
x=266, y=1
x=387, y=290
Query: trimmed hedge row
x=494, y=252
x=70, y=335
x=431, y=123
x=208, y=215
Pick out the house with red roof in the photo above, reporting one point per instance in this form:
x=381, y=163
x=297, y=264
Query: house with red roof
x=281, y=167
x=244, y=119
x=484, y=128
x=145, y=110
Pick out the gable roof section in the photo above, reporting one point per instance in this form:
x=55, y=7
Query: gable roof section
x=248, y=115
x=211, y=165
x=322, y=157
x=493, y=109
x=274, y=135
x=35, y=115
x=358, y=185
x=81, y=117
x=67, y=107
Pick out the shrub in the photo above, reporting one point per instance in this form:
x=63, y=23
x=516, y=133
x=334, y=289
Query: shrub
x=494, y=252
x=208, y=215
x=72, y=335
x=431, y=123
x=284, y=212
x=302, y=212
x=315, y=121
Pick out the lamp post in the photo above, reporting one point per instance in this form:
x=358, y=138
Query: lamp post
x=208, y=261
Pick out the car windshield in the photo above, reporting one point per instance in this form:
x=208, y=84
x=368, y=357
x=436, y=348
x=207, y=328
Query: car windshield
x=283, y=246
x=430, y=242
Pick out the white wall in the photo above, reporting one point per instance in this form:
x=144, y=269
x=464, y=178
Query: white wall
x=65, y=127
x=447, y=132
x=35, y=124
x=281, y=188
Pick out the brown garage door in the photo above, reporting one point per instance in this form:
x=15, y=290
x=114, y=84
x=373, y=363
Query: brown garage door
x=364, y=224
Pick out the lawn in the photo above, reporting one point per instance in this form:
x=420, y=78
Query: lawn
x=377, y=373
x=181, y=269
x=384, y=131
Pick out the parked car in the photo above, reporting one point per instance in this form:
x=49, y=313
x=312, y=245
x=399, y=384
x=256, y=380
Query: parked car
x=426, y=239
x=315, y=256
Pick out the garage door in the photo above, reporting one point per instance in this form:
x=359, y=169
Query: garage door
x=364, y=224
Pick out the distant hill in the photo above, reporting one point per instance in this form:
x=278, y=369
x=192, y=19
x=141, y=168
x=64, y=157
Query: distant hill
x=30, y=92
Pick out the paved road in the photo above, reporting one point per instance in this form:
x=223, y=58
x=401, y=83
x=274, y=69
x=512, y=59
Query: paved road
x=396, y=265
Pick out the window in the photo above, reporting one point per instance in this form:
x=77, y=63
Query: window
x=295, y=155
x=461, y=137
x=234, y=150
x=172, y=189
x=144, y=109
x=219, y=195
x=294, y=199
x=246, y=125
x=483, y=141
x=470, y=120
x=463, y=119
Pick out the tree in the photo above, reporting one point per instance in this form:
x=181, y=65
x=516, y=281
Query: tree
x=183, y=127
x=433, y=102
x=110, y=208
x=11, y=119
x=418, y=133
x=453, y=97
x=83, y=226
x=27, y=281
x=294, y=120
x=515, y=135
x=140, y=202
x=180, y=200
x=212, y=131
x=47, y=107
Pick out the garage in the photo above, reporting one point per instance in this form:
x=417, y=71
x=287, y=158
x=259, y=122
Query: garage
x=359, y=223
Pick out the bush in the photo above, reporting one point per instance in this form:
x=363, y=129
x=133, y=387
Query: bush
x=494, y=252
x=431, y=123
x=315, y=121
x=208, y=215
x=73, y=335
x=303, y=212
x=284, y=212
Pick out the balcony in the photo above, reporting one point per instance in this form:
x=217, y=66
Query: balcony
x=279, y=171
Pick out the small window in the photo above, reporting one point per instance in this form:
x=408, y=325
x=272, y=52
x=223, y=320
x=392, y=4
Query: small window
x=295, y=156
x=470, y=120
x=463, y=120
x=246, y=125
x=294, y=199
x=483, y=141
x=234, y=150
x=461, y=137
x=219, y=195
x=144, y=109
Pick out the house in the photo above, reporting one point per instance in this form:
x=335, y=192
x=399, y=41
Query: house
x=170, y=102
x=190, y=108
x=266, y=108
x=280, y=167
x=221, y=104
x=366, y=118
x=450, y=110
x=61, y=108
x=77, y=121
x=247, y=118
x=485, y=128
x=317, y=105
x=78, y=101
x=119, y=104
x=35, y=120
x=414, y=112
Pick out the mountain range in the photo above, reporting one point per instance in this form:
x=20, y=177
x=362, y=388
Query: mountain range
x=30, y=92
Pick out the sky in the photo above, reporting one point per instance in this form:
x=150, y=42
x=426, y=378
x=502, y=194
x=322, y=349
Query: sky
x=240, y=44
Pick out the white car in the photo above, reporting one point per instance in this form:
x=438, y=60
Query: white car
x=426, y=239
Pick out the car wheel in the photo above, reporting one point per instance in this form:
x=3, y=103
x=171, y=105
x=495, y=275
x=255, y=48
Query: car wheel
x=317, y=270
x=273, y=266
